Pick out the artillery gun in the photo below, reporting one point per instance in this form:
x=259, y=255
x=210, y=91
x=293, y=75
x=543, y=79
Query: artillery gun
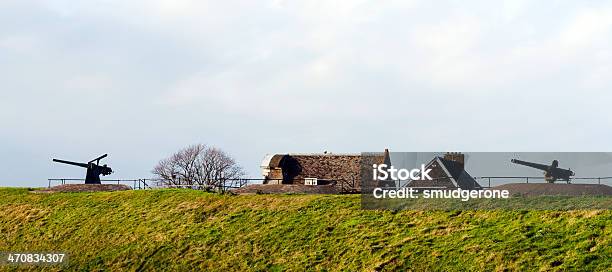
x=94, y=170
x=552, y=172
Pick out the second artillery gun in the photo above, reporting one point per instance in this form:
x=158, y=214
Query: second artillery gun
x=552, y=172
x=94, y=170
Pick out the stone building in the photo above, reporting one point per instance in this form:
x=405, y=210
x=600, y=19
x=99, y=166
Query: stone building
x=342, y=171
x=350, y=173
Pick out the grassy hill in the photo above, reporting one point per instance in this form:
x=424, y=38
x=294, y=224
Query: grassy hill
x=183, y=229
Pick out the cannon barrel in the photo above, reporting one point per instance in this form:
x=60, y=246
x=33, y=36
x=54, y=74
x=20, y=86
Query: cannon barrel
x=84, y=165
x=531, y=164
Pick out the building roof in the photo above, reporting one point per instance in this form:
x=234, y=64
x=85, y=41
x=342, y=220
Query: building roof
x=325, y=154
x=276, y=160
x=454, y=174
x=460, y=177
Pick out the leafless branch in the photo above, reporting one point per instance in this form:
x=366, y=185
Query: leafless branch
x=200, y=165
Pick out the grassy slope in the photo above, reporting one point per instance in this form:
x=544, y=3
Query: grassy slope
x=189, y=229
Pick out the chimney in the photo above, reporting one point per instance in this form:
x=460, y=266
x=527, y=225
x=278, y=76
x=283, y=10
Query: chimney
x=456, y=157
x=387, y=183
x=387, y=157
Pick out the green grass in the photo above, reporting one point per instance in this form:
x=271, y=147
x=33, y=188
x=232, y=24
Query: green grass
x=183, y=229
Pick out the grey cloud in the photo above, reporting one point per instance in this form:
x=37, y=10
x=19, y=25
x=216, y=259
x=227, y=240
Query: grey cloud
x=276, y=76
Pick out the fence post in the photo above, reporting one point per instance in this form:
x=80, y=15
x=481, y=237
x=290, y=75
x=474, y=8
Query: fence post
x=49, y=183
x=489, y=182
x=527, y=179
x=599, y=180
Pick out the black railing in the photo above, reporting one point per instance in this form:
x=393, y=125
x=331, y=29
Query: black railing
x=150, y=183
x=485, y=182
x=595, y=180
x=135, y=183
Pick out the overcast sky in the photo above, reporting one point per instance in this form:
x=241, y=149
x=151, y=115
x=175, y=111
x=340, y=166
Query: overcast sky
x=140, y=79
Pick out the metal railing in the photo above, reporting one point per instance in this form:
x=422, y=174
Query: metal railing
x=486, y=181
x=151, y=183
x=135, y=183
x=527, y=179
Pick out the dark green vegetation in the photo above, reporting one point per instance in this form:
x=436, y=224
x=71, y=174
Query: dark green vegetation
x=182, y=229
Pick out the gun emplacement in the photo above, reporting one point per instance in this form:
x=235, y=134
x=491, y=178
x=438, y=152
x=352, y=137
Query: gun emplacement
x=552, y=172
x=94, y=170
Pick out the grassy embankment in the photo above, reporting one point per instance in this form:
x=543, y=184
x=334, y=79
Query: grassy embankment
x=182, y=229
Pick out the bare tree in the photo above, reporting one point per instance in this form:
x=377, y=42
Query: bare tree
x=201, y=167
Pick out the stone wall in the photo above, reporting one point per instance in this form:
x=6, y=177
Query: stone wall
x=342, y=171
